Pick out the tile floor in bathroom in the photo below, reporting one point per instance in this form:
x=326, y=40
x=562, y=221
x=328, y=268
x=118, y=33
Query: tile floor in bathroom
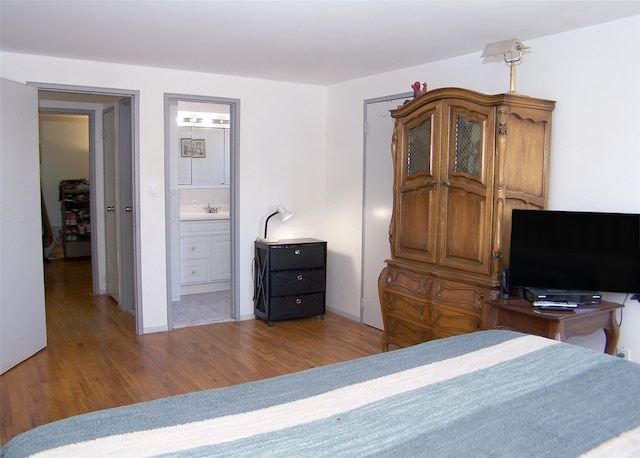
x=198, y=309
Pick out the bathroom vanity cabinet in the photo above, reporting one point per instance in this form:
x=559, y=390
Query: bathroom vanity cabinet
x=205, y=256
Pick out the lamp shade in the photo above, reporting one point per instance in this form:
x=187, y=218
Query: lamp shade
x=500, y=48
x=284, y=213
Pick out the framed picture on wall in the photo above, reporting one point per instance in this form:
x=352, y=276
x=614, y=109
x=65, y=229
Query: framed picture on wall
x=193, y=147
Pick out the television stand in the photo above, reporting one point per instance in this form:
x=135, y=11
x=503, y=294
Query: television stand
x=520, y=315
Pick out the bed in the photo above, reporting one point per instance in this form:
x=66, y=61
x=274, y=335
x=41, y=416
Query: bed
x=497, y=393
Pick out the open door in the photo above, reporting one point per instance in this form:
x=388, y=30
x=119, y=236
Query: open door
x=111, y=203
x=22, y=312
x=378, y=202
x=125, y=180
x=118, y=203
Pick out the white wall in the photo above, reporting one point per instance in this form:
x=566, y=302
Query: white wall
x=282, y=147
x=302, y=145
x=592, y=73
x=64, y=155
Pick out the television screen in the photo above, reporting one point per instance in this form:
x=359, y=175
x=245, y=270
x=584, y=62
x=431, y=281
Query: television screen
x=575, y=250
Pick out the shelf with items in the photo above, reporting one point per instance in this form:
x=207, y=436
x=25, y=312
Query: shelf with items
x=75, y=204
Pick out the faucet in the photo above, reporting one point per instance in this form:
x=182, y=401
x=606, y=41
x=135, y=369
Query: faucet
x=210, y=209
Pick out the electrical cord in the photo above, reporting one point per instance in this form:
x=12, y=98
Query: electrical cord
x=626, y=297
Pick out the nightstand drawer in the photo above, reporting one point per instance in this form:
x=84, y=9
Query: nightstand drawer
x=286, y=307
x=303, y=256
x=290, y=282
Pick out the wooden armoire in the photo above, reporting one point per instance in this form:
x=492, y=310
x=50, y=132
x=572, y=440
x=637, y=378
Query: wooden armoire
x=462, y=162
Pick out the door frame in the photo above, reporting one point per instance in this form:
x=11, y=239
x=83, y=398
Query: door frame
x=234, y=186
x=365, y=317
x=134, y=96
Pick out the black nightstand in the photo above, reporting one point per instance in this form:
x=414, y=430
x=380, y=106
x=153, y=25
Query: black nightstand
x=289, y=279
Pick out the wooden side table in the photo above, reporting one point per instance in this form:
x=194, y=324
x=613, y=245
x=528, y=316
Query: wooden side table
x=520, y=315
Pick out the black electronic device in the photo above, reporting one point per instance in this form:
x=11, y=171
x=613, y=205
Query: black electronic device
x=563, y=250
x=568, y=296
x=505, y=290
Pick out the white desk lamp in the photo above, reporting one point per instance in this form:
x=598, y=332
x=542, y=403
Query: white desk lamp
x=284, y=215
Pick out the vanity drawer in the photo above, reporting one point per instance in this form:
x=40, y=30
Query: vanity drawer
x=302, y=256
x=194, y=271
x=209, y=227
x=195, y=247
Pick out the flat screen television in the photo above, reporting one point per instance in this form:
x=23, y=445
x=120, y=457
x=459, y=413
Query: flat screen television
x=575, y=251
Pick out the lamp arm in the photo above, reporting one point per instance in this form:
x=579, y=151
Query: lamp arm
x=512, y=72
x=267, y=222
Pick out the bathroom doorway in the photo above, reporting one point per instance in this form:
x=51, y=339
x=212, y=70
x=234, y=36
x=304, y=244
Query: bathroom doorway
x=201, y=138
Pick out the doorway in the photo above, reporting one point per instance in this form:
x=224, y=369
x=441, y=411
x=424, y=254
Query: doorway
x=65, y=153
x=92, y=102
x=201, y=157
x=378, y=201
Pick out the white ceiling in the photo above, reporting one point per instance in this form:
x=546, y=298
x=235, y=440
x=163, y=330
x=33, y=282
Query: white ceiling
x=304, y=41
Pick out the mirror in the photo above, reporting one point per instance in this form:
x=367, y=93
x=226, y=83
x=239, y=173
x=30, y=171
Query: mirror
x=202, y=144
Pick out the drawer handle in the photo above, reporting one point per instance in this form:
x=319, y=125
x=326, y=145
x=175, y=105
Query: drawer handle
x=298, y=301
x=296, y=252
x=299, y=277
x=193, y=272
x=193, y=248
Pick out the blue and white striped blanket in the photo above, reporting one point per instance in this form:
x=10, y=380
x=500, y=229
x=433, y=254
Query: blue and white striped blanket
x=494, y=393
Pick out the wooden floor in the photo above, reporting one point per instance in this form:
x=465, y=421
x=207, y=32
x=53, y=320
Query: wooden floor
x=94, y=360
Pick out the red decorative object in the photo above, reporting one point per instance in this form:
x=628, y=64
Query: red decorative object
x=417, y=90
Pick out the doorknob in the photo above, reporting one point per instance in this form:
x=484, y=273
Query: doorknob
x=127, y=209
x=110, y=209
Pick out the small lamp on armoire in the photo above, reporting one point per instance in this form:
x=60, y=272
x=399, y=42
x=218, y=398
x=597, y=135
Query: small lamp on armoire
x=511, y=51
